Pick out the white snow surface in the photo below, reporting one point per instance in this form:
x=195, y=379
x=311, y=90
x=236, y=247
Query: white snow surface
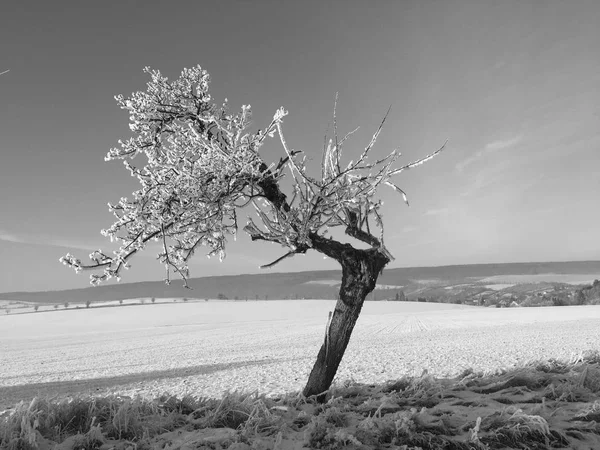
x=206, y=348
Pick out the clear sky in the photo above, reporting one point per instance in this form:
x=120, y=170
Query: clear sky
x=513, y=85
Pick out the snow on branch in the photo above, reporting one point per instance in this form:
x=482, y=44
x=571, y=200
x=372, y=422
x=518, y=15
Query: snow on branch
x=198, y=166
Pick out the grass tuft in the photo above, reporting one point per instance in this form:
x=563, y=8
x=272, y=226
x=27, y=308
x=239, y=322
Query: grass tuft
x=540, y=405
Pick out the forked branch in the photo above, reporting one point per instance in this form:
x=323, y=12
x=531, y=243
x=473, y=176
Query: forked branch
x=199, y=165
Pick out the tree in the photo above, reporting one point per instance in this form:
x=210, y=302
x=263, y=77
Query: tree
x=580, y=297
x=200, y=166
x=36, y=307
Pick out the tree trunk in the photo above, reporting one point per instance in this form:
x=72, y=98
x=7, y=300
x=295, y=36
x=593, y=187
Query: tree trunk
x=360, y=269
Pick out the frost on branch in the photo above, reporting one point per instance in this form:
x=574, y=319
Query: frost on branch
x=198, y=167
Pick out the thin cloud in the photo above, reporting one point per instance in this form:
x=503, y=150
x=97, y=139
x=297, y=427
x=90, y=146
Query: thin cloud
x=487, y=177
x=437, y=212
x=78, y=245
x=499, y=145
x=419, y=243
x=553, y=210
x=402, y=231
x=528, y=184
x=482, y=180
x=489, y=148
x=8, y=237
x=500, y=173
x=42, y=240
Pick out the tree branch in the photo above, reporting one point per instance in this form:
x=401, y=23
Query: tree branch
x=278, y=260
x=418, y=162
x=202, y=165
x=354, y=230
x=363, y=236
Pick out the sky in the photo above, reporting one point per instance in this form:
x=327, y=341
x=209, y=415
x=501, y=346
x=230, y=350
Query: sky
x=513, y=86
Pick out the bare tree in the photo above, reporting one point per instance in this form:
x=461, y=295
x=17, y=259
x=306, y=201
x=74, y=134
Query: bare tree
x=201, y=167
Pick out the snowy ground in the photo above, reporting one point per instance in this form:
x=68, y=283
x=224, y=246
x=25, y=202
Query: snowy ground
x=205, y=348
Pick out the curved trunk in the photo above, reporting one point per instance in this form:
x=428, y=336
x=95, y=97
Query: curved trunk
x=360, y=270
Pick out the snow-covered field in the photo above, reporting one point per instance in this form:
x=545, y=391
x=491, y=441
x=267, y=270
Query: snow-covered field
x=205, y=348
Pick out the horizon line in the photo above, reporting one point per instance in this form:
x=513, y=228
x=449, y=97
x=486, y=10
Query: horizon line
x=307, y=271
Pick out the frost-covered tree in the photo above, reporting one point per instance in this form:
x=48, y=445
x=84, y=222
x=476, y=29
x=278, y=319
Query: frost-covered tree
x=199, y=166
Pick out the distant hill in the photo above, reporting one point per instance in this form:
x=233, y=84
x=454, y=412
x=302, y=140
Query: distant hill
x=312, y=284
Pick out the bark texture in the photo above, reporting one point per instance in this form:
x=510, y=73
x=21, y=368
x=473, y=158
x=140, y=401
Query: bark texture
x=360, y=269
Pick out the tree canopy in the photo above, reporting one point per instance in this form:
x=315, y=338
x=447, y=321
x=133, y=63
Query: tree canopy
x=199, y=166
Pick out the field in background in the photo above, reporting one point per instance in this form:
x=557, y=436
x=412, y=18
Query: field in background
x=127, y=371
x=452, y=284
x=209, y=347
x=572, y=278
